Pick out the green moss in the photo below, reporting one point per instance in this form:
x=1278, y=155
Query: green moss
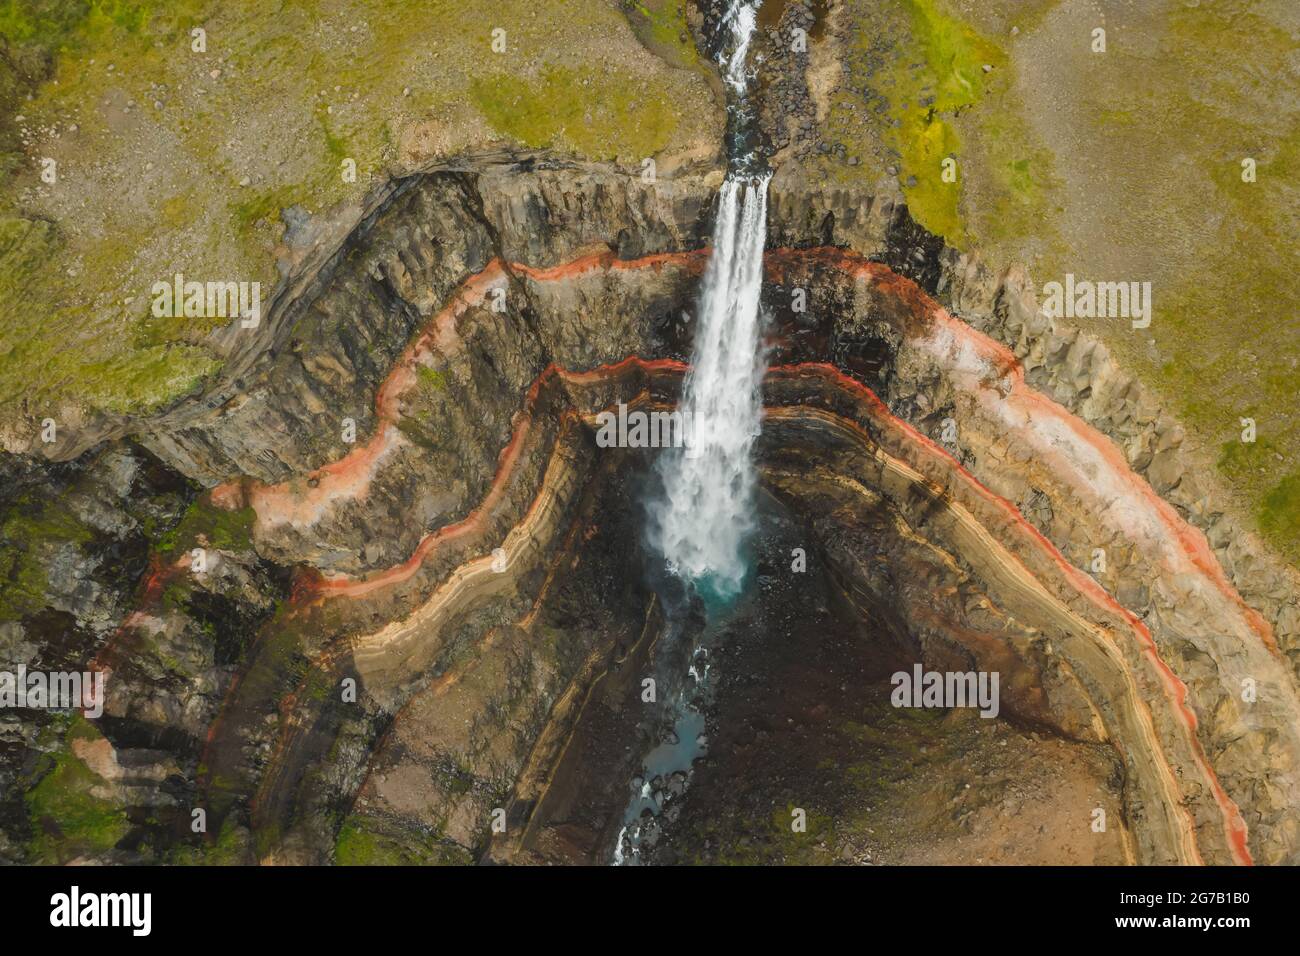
x=229, y=849
x=62, y=25
x=935, y=72
x=417, y=433
x=336, y=146
x=1238, y=460
x=1279, y=515
x=419, y=424
x=819, y=827
x=431, y=379
x=48, y=25
x=361, y=843
x=223, y=530
x=1020, y=178
x=42, y=355
x=67, y=819
x=953, y=56
x=176, y=594
x=267, y=840
x=59, y=24
x=321, y=687
x=29, y=527
x=606, y=114
x=358, y=847
x=662, y=26
x=264, y=206
x=759, y=841
x=916, y=85
x=148, y=379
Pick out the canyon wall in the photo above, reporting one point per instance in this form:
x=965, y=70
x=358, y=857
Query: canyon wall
x=471, y=326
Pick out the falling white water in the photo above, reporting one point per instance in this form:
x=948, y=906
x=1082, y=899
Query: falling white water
x=706, y=511
x=741, y=20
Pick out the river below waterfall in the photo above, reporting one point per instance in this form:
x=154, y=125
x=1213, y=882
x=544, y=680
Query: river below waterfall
x=780, y=702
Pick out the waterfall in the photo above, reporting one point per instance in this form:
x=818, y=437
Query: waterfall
x=741, y=20
x=701, y=522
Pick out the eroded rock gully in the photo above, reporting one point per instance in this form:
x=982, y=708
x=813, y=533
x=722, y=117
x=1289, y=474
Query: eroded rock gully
x=949, y=459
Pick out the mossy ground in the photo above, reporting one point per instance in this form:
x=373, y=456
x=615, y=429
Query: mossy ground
x=217, y=528
x=362, y=841
x=1123, y=165
x=919, y=70
x=29, y=528
x=662, y=26
x=1170, y=110
x=230, y=848
x=68, y=817
x=153, y=140
x=926, y=87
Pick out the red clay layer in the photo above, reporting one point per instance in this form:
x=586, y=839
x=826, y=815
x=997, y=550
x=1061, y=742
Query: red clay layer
x=349, y=476
x=927, y=313
x=344, y=585
x=1234, y=826
x=301, y=500
x=1175, y=691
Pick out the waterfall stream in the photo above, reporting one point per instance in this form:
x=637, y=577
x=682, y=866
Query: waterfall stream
x=706, y=510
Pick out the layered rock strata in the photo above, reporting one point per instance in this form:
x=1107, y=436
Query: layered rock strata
x=471, y=327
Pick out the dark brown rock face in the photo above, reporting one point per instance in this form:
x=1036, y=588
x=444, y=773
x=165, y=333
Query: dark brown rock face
x=412, y=433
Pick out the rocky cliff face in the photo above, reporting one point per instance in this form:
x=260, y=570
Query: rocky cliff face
x=419, y=569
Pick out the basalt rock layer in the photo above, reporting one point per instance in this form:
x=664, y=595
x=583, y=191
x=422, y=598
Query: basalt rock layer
x=413, y=431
